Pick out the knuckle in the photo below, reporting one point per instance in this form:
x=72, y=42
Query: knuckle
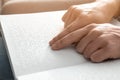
x=96, y=31
x=83, y=14
x=63, y=18
x=104, y=39
x=75, y=9
x=116, y=35
x=72, y=7
x=91, y=26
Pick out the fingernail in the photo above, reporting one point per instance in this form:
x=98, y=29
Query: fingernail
x=50, y=43
x=78, y=50
x=86, y=56
x=54, y=47
x=94, y=59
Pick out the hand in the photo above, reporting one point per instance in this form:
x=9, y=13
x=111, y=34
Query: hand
x=85, y=14
x=82, y=15
x=101, y=43
x=97, y=42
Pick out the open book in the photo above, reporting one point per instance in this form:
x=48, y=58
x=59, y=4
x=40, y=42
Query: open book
x=27, y=39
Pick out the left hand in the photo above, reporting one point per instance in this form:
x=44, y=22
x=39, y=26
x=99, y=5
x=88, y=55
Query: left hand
x=97, y=42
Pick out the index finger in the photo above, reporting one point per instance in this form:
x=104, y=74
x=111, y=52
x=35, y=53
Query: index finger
x=64, y=32
x=71, y=38
x=78, y=23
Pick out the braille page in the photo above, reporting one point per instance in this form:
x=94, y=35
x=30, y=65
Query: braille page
x=86, y=71
x=27, y=38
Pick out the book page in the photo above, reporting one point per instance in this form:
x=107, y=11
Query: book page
x=27, y=38
x=109, y=70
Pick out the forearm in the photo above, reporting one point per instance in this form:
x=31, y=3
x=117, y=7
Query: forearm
x=27, y=6
x=118, y=13
x=0, y=5
x=113, y=7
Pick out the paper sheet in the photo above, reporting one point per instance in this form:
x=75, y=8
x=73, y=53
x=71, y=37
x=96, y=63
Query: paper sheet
x=27, y=37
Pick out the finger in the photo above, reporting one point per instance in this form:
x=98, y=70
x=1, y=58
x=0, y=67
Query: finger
x=71, y=38
x=92, y=35
x=94, y=46
x=99, y=55
x=72, y=17
x=67, y=14
x=64, y=32
x=78, y=23
x=69, y=21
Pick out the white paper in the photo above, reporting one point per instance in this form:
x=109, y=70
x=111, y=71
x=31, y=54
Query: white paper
x=27, y=37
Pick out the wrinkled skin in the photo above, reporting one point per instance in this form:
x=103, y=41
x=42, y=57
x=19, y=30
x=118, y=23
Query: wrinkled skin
x=81, y=15
x=97, y=42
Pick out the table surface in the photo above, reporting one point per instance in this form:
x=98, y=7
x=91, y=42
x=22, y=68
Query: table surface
x=5, y=69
